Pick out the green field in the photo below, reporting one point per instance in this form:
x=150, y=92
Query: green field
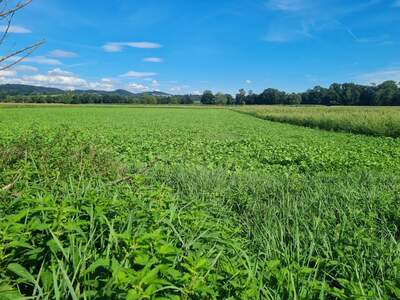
x=376, y=121
x=168, y=203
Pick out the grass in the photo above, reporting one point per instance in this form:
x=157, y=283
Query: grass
x=376, y=121
x=139, y=203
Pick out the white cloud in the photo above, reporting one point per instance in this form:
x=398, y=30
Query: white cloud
x=69, y=82
x=286, y=5
x=14, y=29
x=155, y=83
x=139, y=74
x=43, y=60
x=118, y=47
x=8, y=73
x=112, y=47
x=379, y=76
x=63, y=54
x=153, y=59
x=59, y=72
x=56, y=78
x=137, y=88
x=196, y=93
x=176, y=89
x=144, y=45
x=248, y=81
x=25, y=68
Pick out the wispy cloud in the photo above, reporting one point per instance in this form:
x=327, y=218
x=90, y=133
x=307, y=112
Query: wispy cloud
x=118, y=47
x=14, y=29
x=153, y=59
x=286, y=5
x=374, y=40
x=380, y=76
x=283, y=34
x=319, y=8
x=248, y=81
x=304, y=19
x=43, y=60
x=25, y=68
x=62, y=54
x=397, y=3
x=139, y=74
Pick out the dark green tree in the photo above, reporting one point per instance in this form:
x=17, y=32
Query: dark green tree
x=293, y=99
x=220, y=99
x=208, y=98
x=240, y=98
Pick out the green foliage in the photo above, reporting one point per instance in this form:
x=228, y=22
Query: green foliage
x=221, y=99
x=193, y=204
x=208, y=98
x=385, y=94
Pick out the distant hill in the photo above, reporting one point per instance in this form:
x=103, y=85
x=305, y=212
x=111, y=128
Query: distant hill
x=154, y=93
x=99, y=92
x=22, y=89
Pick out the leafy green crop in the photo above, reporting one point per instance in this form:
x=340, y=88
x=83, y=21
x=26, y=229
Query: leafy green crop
x=150, y=203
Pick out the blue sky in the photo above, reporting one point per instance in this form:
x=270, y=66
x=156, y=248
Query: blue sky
x=187, y=46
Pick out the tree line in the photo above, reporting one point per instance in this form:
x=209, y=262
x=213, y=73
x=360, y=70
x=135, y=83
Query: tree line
x=387, y=93
x=90, y=98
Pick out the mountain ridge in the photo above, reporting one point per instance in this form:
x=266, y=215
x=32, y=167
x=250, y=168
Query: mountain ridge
x=24, y=89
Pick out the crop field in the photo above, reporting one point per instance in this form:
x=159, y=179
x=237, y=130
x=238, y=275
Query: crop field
x=181, y=203
x=375, y=121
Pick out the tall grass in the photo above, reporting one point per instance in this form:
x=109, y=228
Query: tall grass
x=315, y=237
x=377, y=121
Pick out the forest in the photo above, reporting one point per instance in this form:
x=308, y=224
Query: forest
x=385, y=94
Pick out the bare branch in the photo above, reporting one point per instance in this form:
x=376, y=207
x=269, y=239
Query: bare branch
x=8, y=13
x=14, y=9
x=27, y=50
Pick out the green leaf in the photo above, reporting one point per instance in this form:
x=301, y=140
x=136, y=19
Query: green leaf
x=150, y=276
x=20, y=244
x=8, y=293
x=167, y=250
x=101, y=262
x=21, y=272
x=142, y=259
x=132, y=295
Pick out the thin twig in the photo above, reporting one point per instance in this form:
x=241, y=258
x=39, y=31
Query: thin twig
x=8, y=187
x=13, y=10
x=3, y=37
